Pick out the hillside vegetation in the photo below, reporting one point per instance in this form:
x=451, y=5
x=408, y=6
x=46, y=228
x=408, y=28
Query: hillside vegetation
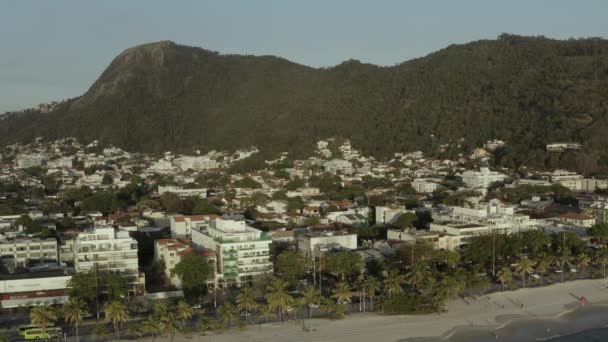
x=528, y=91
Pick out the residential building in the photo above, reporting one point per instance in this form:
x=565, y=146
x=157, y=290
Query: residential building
x=581, y=220
x=242, y=251
x=181, y=225
x=24, y=161
x=20, y=252
x=311, y=244
x=481, y=179
x=599, y=211
x=34, y=288
x=389, y=214
x=181, y=192
x=169, y=252
x=424, y=186
x=108, y=250
x=339, y=166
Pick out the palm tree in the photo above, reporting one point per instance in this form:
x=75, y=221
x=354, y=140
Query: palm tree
x=524, y=267
x=73, y=313
x=152, y=325
x=227, y=312
x=342, y=293
x=277, y=296
x=169, y=325
x=135, y=330
x=184, y=312
x=417, y=274
x=245, y=300
x=43, y=316
x=505, y=276
x=311, y=297
x=392, y=283
x=583, y=262
x=267, y=312
x=99, y=332
x=116, y=313
x=561, y=262
x=203, y=325
x=371, y=286
x=602, y=259
x=542, y=266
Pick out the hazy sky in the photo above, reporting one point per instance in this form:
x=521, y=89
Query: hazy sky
x=52, y=50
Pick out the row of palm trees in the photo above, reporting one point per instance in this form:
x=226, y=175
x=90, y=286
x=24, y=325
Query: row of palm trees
x=526, y=266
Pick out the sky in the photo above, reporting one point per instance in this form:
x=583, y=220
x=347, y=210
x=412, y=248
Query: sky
x=54, y=50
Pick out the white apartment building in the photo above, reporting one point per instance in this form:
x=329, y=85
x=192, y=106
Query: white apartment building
x=20, y=252
x=24, y=161
x=170, y=253
x=455, y=235
x=181, y=192
x=242, y=251
x=311, y=244
x=424, y=186
x=181, y=225
x=339, y=166
x=481, y=179
x=493, y=215
x=195, y=163
x=60, y=163
x=387, y=215
x=108, y=250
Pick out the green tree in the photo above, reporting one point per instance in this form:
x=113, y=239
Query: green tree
x=290, y=266
x=74, y=312
x=117, y=314
x=171, y=202
x=183, y=312
x=311, y=297
x=205, y=208
x=169, y=325
x=542, y=266
x=43, y=316
x=371, y=286
x=393, y=282
x=600, y=232
x=247, y=183
x=406, y=220
x=417, y=274
x=583, y=262
x=505, y=276
x=194, y=271
x=524, y=267
x=245, y=300
x=342, y=293
x=277, y=297
x=227, y=312
x=345, y=263
x=99, y=332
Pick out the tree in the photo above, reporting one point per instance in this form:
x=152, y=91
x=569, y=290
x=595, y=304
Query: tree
x=406, y=220
x=171, y=202
x=116, y=313
x=205, y=208
x=204, y=324
x=600, y=232
x=74, y=312
x=371, y=286
x=227, y=312
x=393, y=282
x=245, y=300
x=417, y=274
x=43, y=316
x=525, y=266
x=542, y=266
x=115, y=285
x=277, y=297
x=247, y=183
x=311, y=297
x=290, y=266
x=169, y=325
x=99, y=332
x=152, y=325
x=194, y=271
x=505, y=276
x=342, y=293
x=345, y=263
x=107, y=179
x=184, y=312
x=583, y=262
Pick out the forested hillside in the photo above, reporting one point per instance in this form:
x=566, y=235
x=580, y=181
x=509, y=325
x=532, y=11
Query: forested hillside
x=528, y=91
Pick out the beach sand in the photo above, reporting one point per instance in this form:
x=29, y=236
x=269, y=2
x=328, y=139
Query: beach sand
x=487, y=314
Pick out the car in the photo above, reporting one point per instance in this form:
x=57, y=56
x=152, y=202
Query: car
x=573, y=270
x=535, y=276
x=196, y=306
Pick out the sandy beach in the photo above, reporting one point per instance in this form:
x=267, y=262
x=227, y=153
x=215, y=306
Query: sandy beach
x=494, y=311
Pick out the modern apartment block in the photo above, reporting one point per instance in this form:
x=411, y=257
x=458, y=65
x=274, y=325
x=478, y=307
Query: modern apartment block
x=242, y=251
x=20, y=252
x=481, y=179
x=108, y=250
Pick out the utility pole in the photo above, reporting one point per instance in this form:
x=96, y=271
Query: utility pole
x=493, y=253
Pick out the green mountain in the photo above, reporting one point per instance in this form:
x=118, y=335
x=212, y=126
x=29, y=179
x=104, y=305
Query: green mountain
x=527, y=91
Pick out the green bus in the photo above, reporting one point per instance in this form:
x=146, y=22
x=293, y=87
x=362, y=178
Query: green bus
x=22, y=328
x=38, y=334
